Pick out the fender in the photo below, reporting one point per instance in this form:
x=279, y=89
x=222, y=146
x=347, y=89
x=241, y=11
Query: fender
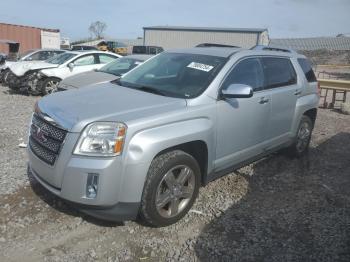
x=144, y=146
x=303, y=104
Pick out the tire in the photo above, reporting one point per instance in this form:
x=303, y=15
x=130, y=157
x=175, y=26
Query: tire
x=49, y=85
x=302, y=140
x=166, y=170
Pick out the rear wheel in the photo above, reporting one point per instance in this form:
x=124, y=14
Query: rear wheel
x=170, y=189
x=302, y=140
x=49, y=85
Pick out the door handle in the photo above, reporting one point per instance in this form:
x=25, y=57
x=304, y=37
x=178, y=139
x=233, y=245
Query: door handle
x=297, y=92
x=263, y=100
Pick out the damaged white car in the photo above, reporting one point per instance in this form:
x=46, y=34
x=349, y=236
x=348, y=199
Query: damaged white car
x=43, y=77
x=30, y=55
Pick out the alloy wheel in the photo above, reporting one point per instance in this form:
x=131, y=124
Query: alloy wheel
x=175, y=191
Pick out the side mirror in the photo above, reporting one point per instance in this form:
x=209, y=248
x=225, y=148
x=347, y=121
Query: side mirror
x=71, y=66
x=237, y=91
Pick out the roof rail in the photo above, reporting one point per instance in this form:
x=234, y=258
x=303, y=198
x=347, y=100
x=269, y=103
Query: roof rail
x=272, y=48
x=215, y=45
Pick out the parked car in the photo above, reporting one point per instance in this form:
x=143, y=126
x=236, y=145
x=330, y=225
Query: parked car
x=144, y=144
x=43, y=77
x=108, y=72
x=31, y=55
x=145, y=49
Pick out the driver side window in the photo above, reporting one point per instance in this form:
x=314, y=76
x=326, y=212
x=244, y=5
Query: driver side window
x=248, y=72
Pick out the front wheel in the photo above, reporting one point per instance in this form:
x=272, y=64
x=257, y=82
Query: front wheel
x=302, y=140
x=49, y=85
x=171, y=188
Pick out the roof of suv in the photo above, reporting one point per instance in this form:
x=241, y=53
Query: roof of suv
x=229, y=51
x=213, y=51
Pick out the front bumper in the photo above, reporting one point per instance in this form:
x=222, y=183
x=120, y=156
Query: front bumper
x=121, y=211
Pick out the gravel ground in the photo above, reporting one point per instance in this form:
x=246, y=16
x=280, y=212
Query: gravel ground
x=277, y=209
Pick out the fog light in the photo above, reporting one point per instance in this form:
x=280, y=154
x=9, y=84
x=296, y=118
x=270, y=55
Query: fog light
x=92, y=186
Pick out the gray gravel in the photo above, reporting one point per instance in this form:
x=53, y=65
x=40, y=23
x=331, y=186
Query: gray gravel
x=277, y=209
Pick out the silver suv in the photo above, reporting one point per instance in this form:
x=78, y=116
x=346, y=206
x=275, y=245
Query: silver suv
x=142, y=145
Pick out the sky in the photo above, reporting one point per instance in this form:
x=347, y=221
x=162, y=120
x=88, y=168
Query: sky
x=125, y=18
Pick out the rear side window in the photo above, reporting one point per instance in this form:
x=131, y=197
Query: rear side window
x=278, y=72
x=306, y=66
x=105, y=59
x=247, y=72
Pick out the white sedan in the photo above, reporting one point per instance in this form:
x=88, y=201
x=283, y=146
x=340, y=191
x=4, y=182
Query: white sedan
x=43, y=77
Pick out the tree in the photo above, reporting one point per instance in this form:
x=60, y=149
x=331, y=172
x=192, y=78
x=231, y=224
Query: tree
x=97, y=28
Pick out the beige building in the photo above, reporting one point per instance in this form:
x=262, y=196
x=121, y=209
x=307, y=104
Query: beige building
x=183, y=37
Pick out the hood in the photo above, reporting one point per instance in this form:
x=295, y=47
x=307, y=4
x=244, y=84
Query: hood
x=20, y=68
x=86, y=78
x=74, y=109
x=6, y=64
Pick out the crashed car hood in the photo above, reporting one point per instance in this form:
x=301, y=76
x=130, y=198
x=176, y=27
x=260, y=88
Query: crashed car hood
x=86, y=78
x=20, y=68
x=6, y=64
x=74, y=109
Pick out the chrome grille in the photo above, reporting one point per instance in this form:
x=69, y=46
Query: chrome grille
x=45, y=139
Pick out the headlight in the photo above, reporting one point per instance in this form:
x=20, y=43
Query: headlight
x=101, y=139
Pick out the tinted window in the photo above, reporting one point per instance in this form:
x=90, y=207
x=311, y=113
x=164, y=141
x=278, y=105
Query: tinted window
x=278, y=72
x=139, y=50
x=247, y=72
x=306, y=66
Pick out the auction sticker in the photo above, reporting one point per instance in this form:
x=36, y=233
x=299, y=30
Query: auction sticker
x=200, y=66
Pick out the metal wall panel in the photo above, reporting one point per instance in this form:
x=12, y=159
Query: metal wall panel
x=50, y=39
x=184, y=39
x=28, y=37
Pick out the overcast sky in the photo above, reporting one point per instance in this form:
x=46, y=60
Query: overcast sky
x=125, y=18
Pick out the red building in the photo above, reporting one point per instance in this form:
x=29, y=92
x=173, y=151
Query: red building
x=28, y=37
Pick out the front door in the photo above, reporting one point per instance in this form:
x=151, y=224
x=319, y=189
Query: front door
x=242, y=122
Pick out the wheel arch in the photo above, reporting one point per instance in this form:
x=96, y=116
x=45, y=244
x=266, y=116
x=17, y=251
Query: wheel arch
x=198, y=149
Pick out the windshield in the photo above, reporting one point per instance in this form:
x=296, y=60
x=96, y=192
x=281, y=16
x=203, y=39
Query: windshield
x=174, y=74
x=60, y=59
x=120, y=66
x=26, y=53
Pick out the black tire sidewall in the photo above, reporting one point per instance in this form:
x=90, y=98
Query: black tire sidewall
x=295, y=151
x=159, y=167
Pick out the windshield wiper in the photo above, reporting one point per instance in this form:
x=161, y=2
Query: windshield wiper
x=150, y=89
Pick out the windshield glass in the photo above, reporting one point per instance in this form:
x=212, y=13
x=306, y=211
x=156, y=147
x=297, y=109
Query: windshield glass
x=60, y=59
x=174, y=74
x=26, y=53
x=120, y=66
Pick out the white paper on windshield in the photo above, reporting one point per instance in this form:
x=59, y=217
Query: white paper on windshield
x=200, y=66
x=138, y=63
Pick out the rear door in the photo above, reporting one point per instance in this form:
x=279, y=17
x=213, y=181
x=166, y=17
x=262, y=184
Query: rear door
x=282, y=86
